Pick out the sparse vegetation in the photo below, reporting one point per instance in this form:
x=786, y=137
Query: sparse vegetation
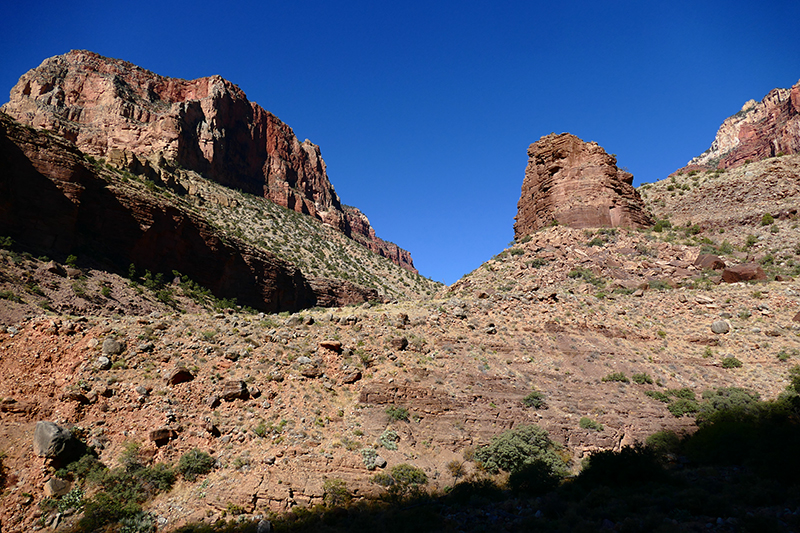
x=616, y=376
x=588, y=423
x=195, y=463
x=396, y=412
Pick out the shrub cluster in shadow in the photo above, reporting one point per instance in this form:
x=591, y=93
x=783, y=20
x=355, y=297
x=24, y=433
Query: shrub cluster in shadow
x=737, y=472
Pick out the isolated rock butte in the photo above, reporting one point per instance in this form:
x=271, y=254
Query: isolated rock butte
x=576, y=184
x=758, y=131
x=110, y=108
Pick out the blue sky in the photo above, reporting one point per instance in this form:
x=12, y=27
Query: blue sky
x=424, y=110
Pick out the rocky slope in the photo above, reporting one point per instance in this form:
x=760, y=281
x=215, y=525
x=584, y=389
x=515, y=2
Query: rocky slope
x=110, y=108
x=576, y=184
x=58, y=202
x=759, y=130
x=318, y=384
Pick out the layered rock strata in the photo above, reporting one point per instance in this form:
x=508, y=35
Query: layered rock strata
x=574, y=183
x=53, y=201
x=759, y=130
x=114, y=109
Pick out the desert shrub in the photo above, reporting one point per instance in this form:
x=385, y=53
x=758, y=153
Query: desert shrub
x=692, y=230
x=535, y=399
x=730, y=362
x=666, y=441
x=534, y=478
x=370, y=458
x=631, y=465
x=404, y=480
x=659, y=285
x=661, y=225
x=597, y=241
x=484, y=488
x=335, y=492
x=588, y=423
x=537, y=262
x=513, y=449
x=733, y=401
x=658, y=395
x=682, y=407
x=456, y=468
x=763, y=439
x=684, y=393
x=6, y=242
x=642, y=378
x=587, y=276
x=195, y=463
x=517, y=251
x=616, y=376
x=767, y=219
x=389, y=439
x=397, y=413
x=124, y=490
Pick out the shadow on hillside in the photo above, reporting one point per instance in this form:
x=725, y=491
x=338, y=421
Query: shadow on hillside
x=739, y=472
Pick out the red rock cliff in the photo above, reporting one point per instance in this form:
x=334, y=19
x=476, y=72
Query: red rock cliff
x=107, y=106
x=52, y=201
x=758, y=131
x=576, y=184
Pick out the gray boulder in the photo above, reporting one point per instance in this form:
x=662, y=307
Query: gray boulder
x=49, y=440
x=720, y=326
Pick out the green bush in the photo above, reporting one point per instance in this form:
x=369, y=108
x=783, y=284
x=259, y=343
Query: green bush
x=335, y=492
x=195, y=463
x=642, y=378
x=658, y=395
x=533, y=478
x=616, y=376
x=404, y=480
x=682, y=407
x=666, y=441
x=535, y=399
x=767, y=219
x=730, y=362
x=684, y=393
x=732, y=401
x=588, y=423
x=397, y=413
x=587, y=276
x=513, y=449
x=370, y=458
x=389, y=439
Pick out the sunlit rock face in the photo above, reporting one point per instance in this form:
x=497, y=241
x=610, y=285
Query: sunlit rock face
x=574, y=183
x=112, y=108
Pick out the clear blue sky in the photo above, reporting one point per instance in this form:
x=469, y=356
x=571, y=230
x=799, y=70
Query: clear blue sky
x=424, y=110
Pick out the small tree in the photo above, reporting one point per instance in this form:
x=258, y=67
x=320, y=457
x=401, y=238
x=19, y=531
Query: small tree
x=513, y=449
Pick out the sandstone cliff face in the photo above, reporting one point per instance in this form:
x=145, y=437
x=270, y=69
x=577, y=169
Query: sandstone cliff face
x=576, y=184
x=52, y=201
x=758, y=131
x=109, y=107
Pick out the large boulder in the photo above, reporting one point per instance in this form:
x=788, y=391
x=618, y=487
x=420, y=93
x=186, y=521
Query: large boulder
x=50, y=440
x=577, y=184
x=744, y=272
x=709, y=261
